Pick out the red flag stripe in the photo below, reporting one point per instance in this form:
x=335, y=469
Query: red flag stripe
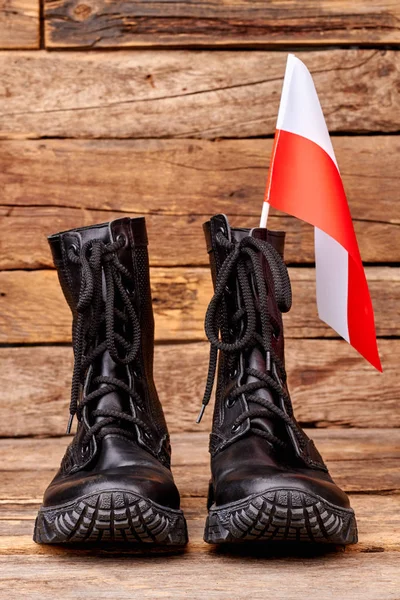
x=301, y=169
x=305, y=182
x=360, y=315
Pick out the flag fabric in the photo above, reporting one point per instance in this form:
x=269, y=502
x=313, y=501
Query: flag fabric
x=304, y=181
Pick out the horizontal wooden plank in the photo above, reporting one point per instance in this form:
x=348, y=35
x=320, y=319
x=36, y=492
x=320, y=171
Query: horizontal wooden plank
x=198, y=94
x=223, y=574
x=101, y=24
x=54, y=185
x=355, y=462
x=19, y=24
x=194, y=177
x=190, y=449
x=378, y=521
x=24, y=566
x=32, y=462
x=330, y=386
x=176, y=240
x=32, y=308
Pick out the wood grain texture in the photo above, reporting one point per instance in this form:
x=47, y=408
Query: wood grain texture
x=190, y=449
x=183, y=177
x=175, y=240
x=19, y=24
x=32, y=309
x=331, y=386
x=100, y=23
x=203, y=571
x=378, y=520
x=199, y=94
x=57, y=572
x=355, y=460
x=54, y=185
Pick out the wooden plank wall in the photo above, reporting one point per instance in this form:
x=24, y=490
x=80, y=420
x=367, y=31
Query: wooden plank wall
x=168, y=110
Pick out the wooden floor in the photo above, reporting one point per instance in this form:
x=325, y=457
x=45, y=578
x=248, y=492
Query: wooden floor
x=364, y=462
x=168, y=109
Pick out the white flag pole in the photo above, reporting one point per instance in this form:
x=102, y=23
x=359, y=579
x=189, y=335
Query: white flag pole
x=282, y=108
x=264, y=214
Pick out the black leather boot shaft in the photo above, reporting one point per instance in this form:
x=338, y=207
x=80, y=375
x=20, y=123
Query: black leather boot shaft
x=119, y=458
x=131, y=237
x=262, y=461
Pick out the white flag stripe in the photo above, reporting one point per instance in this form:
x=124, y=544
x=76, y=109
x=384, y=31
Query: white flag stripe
x=304, y=181
x=300, y=111
x=332, y=268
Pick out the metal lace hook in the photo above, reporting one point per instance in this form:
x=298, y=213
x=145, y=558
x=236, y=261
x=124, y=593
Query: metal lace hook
x=201, y=413
x=70, y=420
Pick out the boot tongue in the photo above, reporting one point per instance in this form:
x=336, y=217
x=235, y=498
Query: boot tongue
x=104, y=365
x=256, y=358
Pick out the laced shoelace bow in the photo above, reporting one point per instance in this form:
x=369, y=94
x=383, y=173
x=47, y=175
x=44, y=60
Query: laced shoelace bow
x=96, y=258
x=245, y=257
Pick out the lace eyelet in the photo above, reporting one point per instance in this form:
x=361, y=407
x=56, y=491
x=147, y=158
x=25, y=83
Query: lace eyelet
x=74, y=249
x=84, y=450
x=230, y=402
x=147, y=436
x=121, y=238
x=235, y=428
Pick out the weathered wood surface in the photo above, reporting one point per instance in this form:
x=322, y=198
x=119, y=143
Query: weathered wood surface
x=188, y=93
x=100, y=23
x=378, y=518
x=55, y=185
x=66, y=574
x=189, y=449
x=203, y=571
x=32, y=308
x=359, y=460
x=183, y=177
x=331, y=386
x=344, y=457
x=175, y=240
x=19, y=24
x=208, y=574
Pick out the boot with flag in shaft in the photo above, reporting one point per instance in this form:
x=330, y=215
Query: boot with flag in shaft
x=269, y=482
x=304, y=181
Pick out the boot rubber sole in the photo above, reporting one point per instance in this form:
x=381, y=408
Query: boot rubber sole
x=281, y=516
x=112, y=516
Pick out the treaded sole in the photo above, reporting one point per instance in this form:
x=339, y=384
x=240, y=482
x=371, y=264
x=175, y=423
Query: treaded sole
x=281, y=516
x=116, y=517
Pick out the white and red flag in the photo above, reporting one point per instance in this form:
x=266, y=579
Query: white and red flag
x=304, y=181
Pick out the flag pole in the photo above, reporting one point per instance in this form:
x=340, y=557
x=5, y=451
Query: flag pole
x=264, y=214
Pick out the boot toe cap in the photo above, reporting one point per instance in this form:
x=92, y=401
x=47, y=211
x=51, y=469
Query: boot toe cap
x=155, y=485
x=237, y=485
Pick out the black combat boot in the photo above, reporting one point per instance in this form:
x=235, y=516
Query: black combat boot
x=114, y=483
x=268, y=480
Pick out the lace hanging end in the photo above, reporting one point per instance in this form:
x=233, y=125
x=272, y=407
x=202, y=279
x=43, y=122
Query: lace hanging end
x=201, y=413
x=268, y=361
x=71, y=418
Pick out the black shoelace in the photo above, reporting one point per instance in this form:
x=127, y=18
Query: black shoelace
x=97, y=309
x=245, y=261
